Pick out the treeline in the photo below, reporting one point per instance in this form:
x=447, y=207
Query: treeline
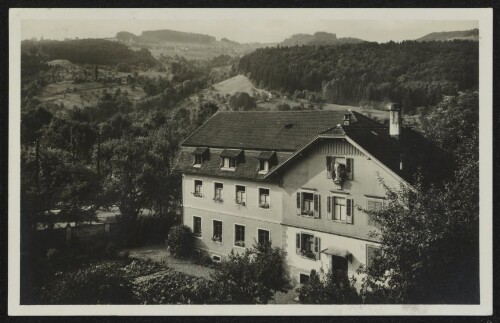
x=413, y=73
x=88, y=51
x=175, y=36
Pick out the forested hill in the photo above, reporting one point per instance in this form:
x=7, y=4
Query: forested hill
x=319, y=38
x=165, y=35
x=88, y=51
x=472, y=34
x=413, y=73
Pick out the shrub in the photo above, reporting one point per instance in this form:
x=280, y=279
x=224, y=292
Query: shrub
x=172, y=287
x=335, y=288
x=103, y=283
x=180, y=241
x=251, y=277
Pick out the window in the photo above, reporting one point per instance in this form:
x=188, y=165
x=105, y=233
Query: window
x=263, y=236
x=303, y=278
x=372, y=254
x=340, y=209
x=263, y=166
x=216, y=258
x=239, y=235
x=308, y=204
x=339, y=169
x=198, y=159
x=308, y=245
x=228, y=162
x=373, y=204
x=198, y=188
x=197, y=226
x=218, y=192
x=241, y=196
x=217, y=236
x=264, y=198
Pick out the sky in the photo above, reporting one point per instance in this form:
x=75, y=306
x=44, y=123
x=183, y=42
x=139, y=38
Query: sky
x=243, y=26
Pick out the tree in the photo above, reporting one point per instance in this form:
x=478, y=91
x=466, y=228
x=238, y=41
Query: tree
x=251, y=277
x=180, y=241
x=429, y=234
x=242, y=101
x=335, y=288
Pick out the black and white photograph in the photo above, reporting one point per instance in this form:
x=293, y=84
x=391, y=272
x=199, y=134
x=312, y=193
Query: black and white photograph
x=304, y=161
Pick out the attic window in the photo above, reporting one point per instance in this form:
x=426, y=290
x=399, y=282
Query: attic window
x=265, y=159
x=229, y=158
x=263, y=166
x=200, y=155
x=288, y=125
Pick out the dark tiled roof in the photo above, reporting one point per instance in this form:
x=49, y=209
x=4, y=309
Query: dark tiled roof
x=200, y=150
x=266, y=155
x=416, y=152
x=233, y=153
x=247, y=167
x=263, y=130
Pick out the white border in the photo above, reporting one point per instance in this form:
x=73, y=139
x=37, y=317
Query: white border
x=483, y=15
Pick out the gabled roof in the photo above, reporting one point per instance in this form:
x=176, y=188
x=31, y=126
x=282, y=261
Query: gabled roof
x=247, y=168
x=263, y=130
x=290, y=134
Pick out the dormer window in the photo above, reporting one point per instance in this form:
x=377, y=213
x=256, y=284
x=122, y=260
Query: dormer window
x=228, y=162
x=339, y=169
x=266, y=158
x=229, y=158
x=263, y=166
x=200, y=155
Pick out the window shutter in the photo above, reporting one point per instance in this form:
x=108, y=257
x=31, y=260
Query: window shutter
x=350, y=168
x=328, y=167
x=317, y=205
x=317, y=247
x=299, y=198
x=297, y=243
x=329, y=207
x=349, y=211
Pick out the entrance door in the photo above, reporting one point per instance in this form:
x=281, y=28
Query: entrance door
x=339, y=266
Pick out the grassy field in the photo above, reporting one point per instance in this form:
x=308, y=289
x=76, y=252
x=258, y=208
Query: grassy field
x=84, y=94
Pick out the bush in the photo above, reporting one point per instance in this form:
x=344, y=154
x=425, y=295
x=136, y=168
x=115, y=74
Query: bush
x=103, y=283
x=180, y=241
x=251, y=277
x=172, y=287
x=335, y=288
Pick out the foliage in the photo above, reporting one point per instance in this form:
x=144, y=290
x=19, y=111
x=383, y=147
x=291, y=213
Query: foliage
x=429, y=235
x=413, y=73
x=180, y=241
x=251, y=277
x=172, y=287
x=101, y=283
x=242, y=101
x=88, y=51
x=335, y=288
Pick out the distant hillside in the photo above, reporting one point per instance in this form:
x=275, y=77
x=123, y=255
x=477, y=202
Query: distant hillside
x=414, y=73
x=165, y=35
x=472, y=34
x=319, y=38
x=87, y=51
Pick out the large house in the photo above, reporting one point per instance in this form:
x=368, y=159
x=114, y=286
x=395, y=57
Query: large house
x=300, y=179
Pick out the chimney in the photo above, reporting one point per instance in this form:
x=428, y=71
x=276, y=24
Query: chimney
x=395, y=120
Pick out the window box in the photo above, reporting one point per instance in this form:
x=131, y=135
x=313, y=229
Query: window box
x=308, y=213
x=197, y=194
x=197, y=234
x=239, y=243
x=218, y=200
x=239, y=202
x=264, y=206
x=308, y=254
x=217, y=238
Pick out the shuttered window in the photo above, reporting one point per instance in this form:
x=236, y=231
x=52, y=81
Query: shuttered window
x=372, y=253
x=374, y=205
